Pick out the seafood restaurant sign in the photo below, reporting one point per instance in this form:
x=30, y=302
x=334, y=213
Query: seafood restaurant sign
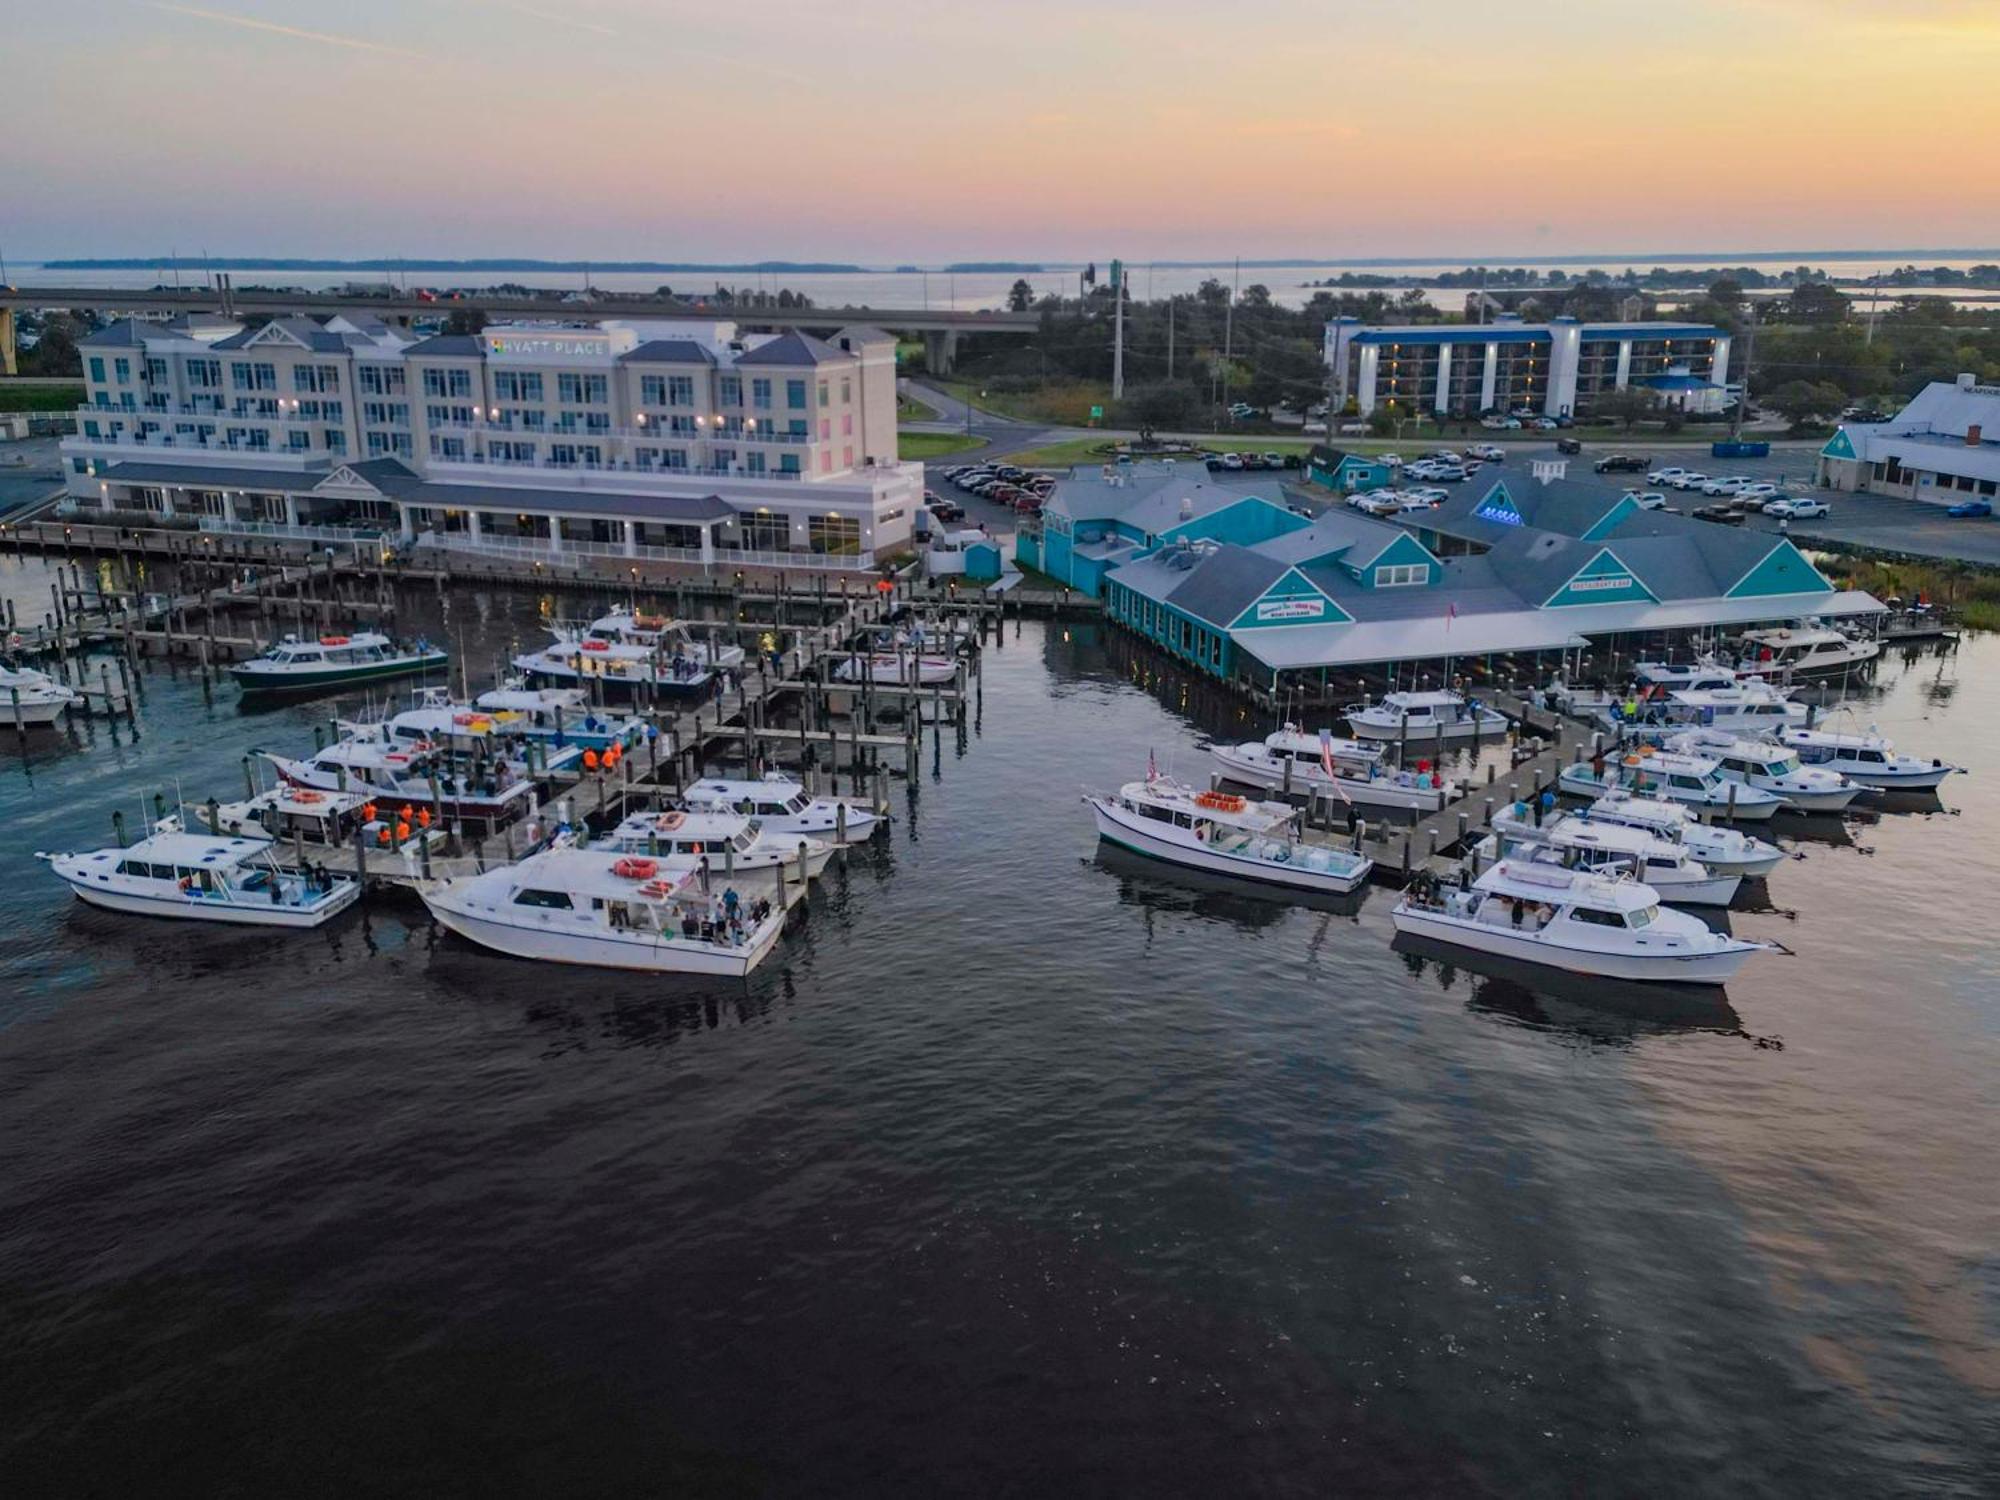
x=1291, y=609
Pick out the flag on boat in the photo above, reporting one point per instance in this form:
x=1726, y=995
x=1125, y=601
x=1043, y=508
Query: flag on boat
x=1326, y=764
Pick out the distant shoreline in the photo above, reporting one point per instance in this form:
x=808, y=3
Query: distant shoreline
x=578, y=267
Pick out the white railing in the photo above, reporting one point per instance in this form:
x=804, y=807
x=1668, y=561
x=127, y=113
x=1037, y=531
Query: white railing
x=544, y=548
x=223, y=525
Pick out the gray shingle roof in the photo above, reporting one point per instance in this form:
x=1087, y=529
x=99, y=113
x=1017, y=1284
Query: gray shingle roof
x=793, y=348
x=126, y=333
x=1224, y=583
x=1358, y=537
x=670, y=352
x=453, y=345
x=215, y=476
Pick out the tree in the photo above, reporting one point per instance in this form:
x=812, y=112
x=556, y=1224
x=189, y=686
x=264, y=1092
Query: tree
x=465, y=320
x=1626, y=404
x=1726, y=291
x=1805, y=401
x=56, y=353
x=1020, y=296
x=1815, y=302
x=1162, y=403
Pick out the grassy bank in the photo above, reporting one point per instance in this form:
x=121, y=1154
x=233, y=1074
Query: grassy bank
x=1972, y=593
x=909, y=410
x=1057, y=404
x=40, y=397
x=921, y=445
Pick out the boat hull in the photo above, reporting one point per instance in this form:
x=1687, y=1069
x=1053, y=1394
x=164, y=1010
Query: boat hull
x=36, y=714
x=1424, y=734
x=1710, y=967
x=929, y=671
x=632, y=953
x=1380, y=792
x=1743, y=811
x=1132, y=834
x=236, y=913
x=253, y=680
x=618, y=689
x=1929, y=779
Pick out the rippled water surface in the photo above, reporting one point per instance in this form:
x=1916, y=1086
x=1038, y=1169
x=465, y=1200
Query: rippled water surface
x=1018, y=1167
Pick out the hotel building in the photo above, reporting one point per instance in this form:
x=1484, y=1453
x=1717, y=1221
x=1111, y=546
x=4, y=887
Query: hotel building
x=676, y=442
x=1550, y=369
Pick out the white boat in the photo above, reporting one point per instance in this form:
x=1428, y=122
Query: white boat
x=1573, y=920
x=732, y=844
x=607, y=910
x=626, y=652
x=203, y=877
x=782, y=805
x=562, y=716
x=1694, y=780
x=1805, y=651
x=1610, y=849
x=1701, y=675
x=33, y=700
x=1298, y=760
x=1770, y=767
x=425, y=758
x=294, y=665
x=1224, y=835
x=1727, y=851
x=1867, y=758
x=1421, y=717
x=1751, y=707
x=898, y=669
x=286, y=814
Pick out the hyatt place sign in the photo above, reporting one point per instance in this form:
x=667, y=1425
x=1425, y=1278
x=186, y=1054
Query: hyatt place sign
x=547, y=344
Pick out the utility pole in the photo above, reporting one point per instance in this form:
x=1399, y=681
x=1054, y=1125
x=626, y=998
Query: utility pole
x=1874, y=297
x=1118, y=330
x=1743, y=386
x=1170, y=338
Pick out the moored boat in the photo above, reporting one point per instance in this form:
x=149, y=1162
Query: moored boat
x=296, y=665
x=1867, y=758
x=1324, y=765
x=1765, y=765
x=1803, y=651
x=1223, y=834
x=1611, y=849
x=604, y=909
x=33, y=700
x=1693, y=780
x=1573, y=920
x=1723, y=849
x=203, y=877
x=1422, y=717
x=781, y=805
x=731, y=843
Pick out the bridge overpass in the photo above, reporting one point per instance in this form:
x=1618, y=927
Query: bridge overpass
x=942, y=329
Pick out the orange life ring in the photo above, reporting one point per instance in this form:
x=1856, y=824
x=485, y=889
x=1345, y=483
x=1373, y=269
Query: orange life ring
x=597, y=645
x=656, y=889
x=308, y=796
x=461, y=719
x=633, y=867
x=1221, y=801
x=668, y=822
x=333, y=640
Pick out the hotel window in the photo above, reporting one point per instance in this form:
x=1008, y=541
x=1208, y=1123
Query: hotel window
x=318, y=379
x=336, y=440
x=562, y=454
x=1400, y=575
x=760, y=394
x=756, y=463
x=788, y=463
x=97, y=369
x=587, y=390
x=847, y=425
x=825, y=428
x=837, y=535
x=597, y=421
x=846, y=392
x=385, y=414
x=680, y=390
x=847, y=457
x=448, y=447
x=534, y=421
x=676, y=458
x=732, y=390
x=825, y=397
x=156, y=369
x=652, y=390
x=514, y=385
x=766, y=533
x=124, y=370
x=299, y=442
x=204, y=374
x=795, y=393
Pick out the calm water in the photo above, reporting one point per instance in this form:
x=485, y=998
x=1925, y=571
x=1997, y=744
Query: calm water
x=966, y=291
x=1015, y=1169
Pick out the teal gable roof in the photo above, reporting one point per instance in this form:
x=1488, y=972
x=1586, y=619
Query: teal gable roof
x=1608, y=523
x=1602, y=580
x=1403, y=550
x=1248, y=521
x=1784, y=570
x=1840, y=445
x=1499, y=506
x=1293, y=599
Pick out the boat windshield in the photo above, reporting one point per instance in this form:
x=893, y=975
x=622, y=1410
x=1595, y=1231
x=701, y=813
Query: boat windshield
x=1643, y=917
x=1782, y=765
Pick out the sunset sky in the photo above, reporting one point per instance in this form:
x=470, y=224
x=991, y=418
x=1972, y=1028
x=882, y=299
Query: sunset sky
x=882, y=132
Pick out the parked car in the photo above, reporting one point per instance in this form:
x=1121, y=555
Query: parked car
x=1720, y=514
x=1648, y=499
x=1232, y=461
x=1966, y=508
x=1725, y=484
x=1354, y=429
x=1751, y=497
x=1430, y=496
x=1570, y=446
x=1302, y=510
x=1801, y=508
x=1380, y=503
x=1451, y=473
x=1687, y=481
x=1545, y=424
x=1028, y=505
x=1391, y=460
x=1625, y=463
x=1492, y=453
x=1274, y=460
x=1666, y=476
x=1410, y=500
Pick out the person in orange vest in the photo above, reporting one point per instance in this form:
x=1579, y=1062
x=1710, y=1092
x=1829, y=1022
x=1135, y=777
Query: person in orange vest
x=590, y=760
x=402, y=832
x=423, y=817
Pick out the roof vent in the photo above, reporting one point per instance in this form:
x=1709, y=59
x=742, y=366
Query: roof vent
x=1967, y=381
x=1545, y=469
x=1187, y=504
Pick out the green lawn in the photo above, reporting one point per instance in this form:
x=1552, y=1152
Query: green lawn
x=40, y=397
x=919, y=445
x=913, y=411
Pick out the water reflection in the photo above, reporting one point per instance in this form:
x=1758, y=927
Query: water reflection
x=1612, y=1012
x=1158, y=886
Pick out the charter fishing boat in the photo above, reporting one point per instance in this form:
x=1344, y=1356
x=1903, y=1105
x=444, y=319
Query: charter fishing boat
x=1803, y=651
x=557, y=716
x=423, y=758
x=1693, y=780
x=1223, y=834
x=731, y=843
x=33, y=700
x=1766, y=766
x=1704, y=674
x=296, y=665
x=604, y=909
x=1610, y=849
x=781, y=805
x=628, y=652
x=901, y=659
x=1325, y=765
x=1867, y=758
x=287, y=814
x=1574, y=920
x=1727, y=851
x=203, y=877
x=1421, y=717
x=1750, y=707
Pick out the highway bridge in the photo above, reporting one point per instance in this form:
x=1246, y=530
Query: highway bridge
x=942, y=329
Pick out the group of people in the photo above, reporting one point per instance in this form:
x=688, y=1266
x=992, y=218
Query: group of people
x=727, y=919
